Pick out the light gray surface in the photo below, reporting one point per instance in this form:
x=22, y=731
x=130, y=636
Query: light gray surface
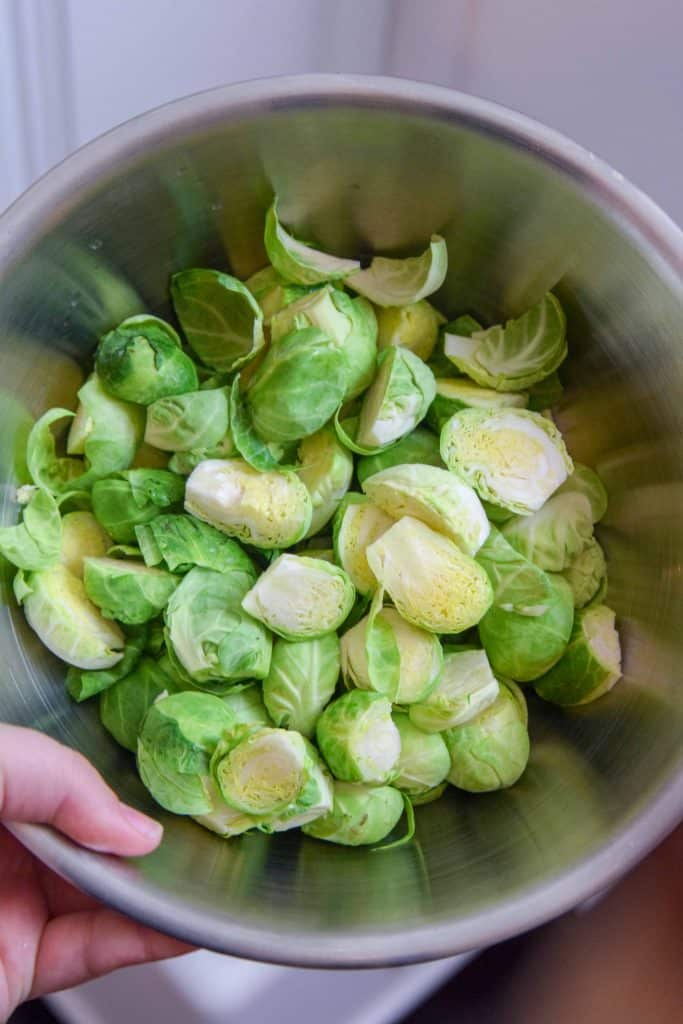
x=358, y=164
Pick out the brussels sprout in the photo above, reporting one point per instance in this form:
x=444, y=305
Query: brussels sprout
x=466, y=686
x=301, y=682
x=420, y=446
x=455, y=394
x=511, y=457
x=591, y=664
x=398, y=399
x=414, y=326
x=267, y=510
x=247, y=705
x=274, y=774
x=127, y=591
x=35, y=542
x=178, y=736
x=424, y=762
x=133, y=497
x=514, y=356
x=314, y=309
x=299, y=385
x=518, y=585
x=490, y=751
x=361, y=815
x=82, y=684
x=295, y=261
x=586, y=573
x=184, y=462
x=57, y=608
x=326, y=468
x=211, y=641
x=385, y=653
x=141, y=360
x=400, y=282
x=181, y=423
x=358, y=524
x=82, y=537
x=555, y=535
x=586, y=481
x=221, y=320
x=124, y=705
x=180, y=542
x=525, y=646
x=434, y=496
x=301, y=598
x=545, y=393
x=223, y=819
x=260, y=454
x=358, y=739
x=360, y=344
x=429, y=579
x=272, y=292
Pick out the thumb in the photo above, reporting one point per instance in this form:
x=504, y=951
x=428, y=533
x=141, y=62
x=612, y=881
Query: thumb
x=43, y=782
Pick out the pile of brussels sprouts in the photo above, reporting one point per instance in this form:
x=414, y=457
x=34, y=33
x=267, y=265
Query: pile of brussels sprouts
x=306, y=554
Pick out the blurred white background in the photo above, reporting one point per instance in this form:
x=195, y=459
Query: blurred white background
x=608, y=73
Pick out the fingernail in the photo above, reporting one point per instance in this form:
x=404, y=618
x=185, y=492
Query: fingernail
x=147, y=827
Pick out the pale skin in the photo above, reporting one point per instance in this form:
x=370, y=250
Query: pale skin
x=52, y=935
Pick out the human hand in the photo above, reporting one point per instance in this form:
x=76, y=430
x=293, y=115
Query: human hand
x=52, y=935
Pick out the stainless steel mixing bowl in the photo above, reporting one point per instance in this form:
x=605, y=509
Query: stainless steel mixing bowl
x=364, y=164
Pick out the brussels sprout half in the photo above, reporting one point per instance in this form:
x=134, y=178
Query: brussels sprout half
x=141, y=360
x=358, y=739
x=414, y=326
x=490, y=751
x=301, y=682
x=591, y=664
x=465, y=687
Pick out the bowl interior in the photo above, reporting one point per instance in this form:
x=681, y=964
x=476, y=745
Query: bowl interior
x=363, y=167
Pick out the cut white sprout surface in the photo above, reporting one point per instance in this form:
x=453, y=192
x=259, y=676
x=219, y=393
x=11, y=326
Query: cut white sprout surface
x=305, y=547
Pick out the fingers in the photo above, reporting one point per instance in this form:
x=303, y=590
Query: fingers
x=44, y=782
x=80, y=946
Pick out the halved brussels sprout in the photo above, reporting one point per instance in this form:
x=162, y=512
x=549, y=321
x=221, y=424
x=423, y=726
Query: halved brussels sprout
x=298, y=386
x=272, y=292
x=301, y=682
x=181, y=423
x=360, y=344
x=295, y=261
x=58, y=609
x=178, y=736
x=141, y=360
x=82, y=537
x=81, y=684
x=512, y=457
x=429, y=579
x=358, y=739
x=516, y=355
x=124, y=705
x=267, y=510
x=326, y=468
x=518, y=585
x=385, y=653
x=424, y=762
x=314, y=309
x=133, y=497
x=212, y=642
x=35, y=542
x=221, y=319
x=490, y=751
x=274, y=774
x=434, y=496
x=591, y=664
x=555, y=535
x=127, y=591
x=456, y=393
x=420, y=446
x=414, y=326
x=301, y=598
x=181, y=541
x=360, y=816
x=586, y=481
x=224, y=820
x=465, y=687
x=586, y=573
x=260, y=454
x=358, y=524
x=398, y=399
x=398, y=282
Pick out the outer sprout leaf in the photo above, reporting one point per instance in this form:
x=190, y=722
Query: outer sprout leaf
x=35, y=542
x=295, y=261
x=397, y=282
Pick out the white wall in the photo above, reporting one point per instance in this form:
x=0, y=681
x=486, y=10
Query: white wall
x=607, y=73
